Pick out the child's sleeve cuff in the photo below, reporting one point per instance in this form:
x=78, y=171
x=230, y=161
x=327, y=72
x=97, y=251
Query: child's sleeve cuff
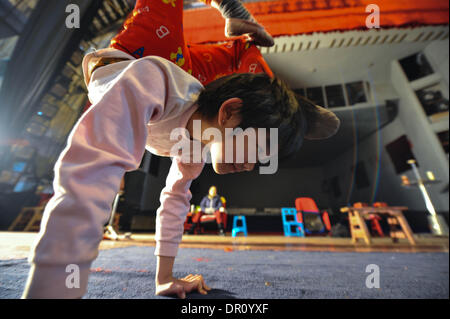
x=166, y=249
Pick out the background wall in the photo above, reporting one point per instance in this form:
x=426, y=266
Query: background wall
x=426, y=146
x=251, y=190
x=385, y=183
x=388, y=82
x=246, y=190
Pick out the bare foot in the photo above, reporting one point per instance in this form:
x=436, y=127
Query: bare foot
x=256, y=32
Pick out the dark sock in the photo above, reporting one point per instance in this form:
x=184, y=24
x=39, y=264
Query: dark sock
x=234, y=9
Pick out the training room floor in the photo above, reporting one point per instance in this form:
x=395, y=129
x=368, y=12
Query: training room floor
x=255, y=267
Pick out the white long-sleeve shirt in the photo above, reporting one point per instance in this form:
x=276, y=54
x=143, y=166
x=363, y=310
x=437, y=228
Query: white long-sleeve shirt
x=136, y=105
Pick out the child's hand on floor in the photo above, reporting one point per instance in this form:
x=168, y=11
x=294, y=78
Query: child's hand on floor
x=180, y=287
x=256, y=32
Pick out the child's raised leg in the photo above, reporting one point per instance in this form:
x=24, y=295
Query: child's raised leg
x=212, y=61
x=239, y=21
x=155, y=28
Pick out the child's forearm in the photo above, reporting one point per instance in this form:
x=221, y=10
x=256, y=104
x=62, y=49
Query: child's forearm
x=164, y=269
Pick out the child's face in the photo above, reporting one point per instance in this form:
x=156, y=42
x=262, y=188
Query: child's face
x=231, y=156
x=240, y=151
x=232, y=149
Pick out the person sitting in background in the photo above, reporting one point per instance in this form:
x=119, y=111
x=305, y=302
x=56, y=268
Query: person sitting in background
x=211, y=204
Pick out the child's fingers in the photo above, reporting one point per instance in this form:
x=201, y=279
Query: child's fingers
x=188, y=277
x=196, y=282
x=192, y=278
x=204, y=284
x=200, y=288
x=202, y=281
x=204, y=287
x=200, y=277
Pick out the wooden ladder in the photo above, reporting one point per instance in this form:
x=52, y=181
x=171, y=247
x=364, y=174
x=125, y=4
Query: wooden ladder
x=29, y=220
x=358, y=227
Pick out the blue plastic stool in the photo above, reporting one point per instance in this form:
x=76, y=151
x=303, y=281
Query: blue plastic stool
x=287, y=224
x=239, y=229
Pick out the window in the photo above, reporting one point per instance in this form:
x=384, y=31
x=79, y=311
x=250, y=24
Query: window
x=400, y=153
x=300, y=92
x=356, y=93
x=432, y=100
x=443, y=138
x=315, y=95
x=335, y=95
x=416, y=66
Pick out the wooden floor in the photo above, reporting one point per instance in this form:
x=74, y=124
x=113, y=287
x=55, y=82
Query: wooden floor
x=17, y=245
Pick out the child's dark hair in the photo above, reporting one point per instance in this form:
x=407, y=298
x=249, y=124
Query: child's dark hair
x=267, y=103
